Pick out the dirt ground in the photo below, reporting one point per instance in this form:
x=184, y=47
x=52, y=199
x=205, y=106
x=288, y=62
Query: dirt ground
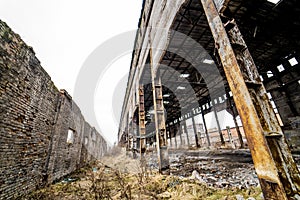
x=206, y=175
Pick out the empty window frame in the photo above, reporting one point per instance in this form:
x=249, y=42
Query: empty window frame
x=70, y=138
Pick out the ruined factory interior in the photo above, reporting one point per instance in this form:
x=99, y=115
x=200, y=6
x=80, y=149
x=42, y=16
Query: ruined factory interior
x=214, y=85
x=197, y=57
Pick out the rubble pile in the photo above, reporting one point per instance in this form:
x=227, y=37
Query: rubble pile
x=219, y=169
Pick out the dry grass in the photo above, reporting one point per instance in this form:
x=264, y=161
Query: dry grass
x=117, y=181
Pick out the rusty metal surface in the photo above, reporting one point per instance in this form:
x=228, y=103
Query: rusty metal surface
x=142, y=129
x=287, y=169
x=160, y=127
x=255, y=113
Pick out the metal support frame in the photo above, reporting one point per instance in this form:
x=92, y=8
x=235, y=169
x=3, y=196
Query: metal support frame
x=134, y=139
x=142, y=128
x=160, y=126
x=273, y=162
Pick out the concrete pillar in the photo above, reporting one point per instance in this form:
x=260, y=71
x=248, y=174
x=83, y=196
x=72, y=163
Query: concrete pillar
x=218, y=123
x=142, y=128
x=276, y=170
x=205, y=127
x=195, y=132
x=180, y=134
x=185, y=130
x=234, y=115
x=161, y=139
x=174, y=134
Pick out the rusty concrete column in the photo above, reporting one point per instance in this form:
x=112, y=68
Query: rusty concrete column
x=274, y=165
x=218, y=123
x=161, y=139
x=195, y=132
x=186, y=134
x=186, y=131
x=142, y=128
x=134, y=138
x=128, y=141
x=206, y=130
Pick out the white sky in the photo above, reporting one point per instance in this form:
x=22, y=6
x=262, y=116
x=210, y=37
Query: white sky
x=64, y=32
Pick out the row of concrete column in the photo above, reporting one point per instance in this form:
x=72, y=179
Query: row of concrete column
x=176, y=135
x=273, y=161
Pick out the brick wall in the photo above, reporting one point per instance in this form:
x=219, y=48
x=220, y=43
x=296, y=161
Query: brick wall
x=35, y=120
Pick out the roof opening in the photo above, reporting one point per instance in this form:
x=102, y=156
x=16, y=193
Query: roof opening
x=293, y=61
x=269, y=74
x=274, y=1
x=184, y=75
x=280, y=68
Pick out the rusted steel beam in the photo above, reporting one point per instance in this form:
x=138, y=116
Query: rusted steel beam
x=286, y=167
x=160, y=126
x=274, y=165
x=142, y=128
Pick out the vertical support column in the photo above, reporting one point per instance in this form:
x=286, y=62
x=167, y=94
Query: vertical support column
x=218, y=123
x=174, y=133
x=130, y=137
x=206, y=130
x=230, y=137
x=142, y=128
x=186, y=134
x=195, y=132
x=179, y=131
x=170, y=138
x=273, y=162
x=161, y=139
x=186, y=131
x=128, y=140
x=134, y=138
x=234, y=115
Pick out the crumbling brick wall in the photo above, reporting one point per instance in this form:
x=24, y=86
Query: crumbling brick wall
x=35, y=121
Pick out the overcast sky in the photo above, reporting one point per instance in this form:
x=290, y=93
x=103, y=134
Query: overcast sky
x=63, y=33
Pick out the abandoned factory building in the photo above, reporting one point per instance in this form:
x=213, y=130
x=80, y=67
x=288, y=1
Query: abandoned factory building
x=194, y=58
